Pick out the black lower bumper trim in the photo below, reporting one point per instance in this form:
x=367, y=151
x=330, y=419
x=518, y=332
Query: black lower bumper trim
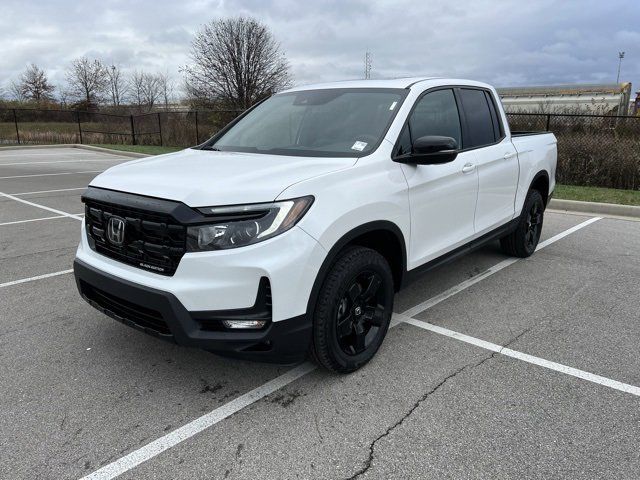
x=161, y=314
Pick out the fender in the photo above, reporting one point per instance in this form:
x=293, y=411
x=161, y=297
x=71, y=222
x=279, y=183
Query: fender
x=345, y=240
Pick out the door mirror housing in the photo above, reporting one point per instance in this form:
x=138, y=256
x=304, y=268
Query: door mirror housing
x=431, y=150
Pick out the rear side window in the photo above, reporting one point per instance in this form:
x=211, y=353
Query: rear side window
x=479, y=118
x=497, y=128
x=436, y=114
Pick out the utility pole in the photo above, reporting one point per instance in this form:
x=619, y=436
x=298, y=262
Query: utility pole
x=620, y=57
x=367, y=65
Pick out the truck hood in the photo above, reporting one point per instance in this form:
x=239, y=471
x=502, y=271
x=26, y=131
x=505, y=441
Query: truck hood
x=202, y=178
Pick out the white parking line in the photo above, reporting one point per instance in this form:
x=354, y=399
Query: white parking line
x=31, y=279
x=412, y=312
x=30, y=153
x=52, y=210
x=36, y=219
x=558, y=367
x=22, y=153
x=49, y=174
x=80, y=160
x=147, y=452
x=49, y=191
x=158, y=446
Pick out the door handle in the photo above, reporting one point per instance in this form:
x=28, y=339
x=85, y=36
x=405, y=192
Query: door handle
x=469, y=167
x=507, y=156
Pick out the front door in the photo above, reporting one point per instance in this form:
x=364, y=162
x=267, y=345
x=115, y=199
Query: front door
x=442, y=197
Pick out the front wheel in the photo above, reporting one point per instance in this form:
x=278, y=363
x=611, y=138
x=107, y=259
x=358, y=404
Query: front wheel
x=353, y=310
x=522, y=242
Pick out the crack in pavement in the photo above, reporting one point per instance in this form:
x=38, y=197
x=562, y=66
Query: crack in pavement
x=389, y=430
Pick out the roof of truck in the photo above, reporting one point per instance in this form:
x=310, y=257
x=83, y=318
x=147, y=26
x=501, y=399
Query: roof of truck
x=382, y=83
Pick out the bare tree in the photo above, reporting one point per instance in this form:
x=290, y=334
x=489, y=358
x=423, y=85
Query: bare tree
x=63, y=97
x=151, y=90
x=135, y=88
x=34, y=84
x=116, y=84
x=145, y=89
x=167, y=87
x=87, y=79
x=15, y=91
x=235, y=60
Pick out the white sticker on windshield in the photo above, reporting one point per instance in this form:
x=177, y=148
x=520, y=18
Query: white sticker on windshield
x=393, y=105
x=359, y=146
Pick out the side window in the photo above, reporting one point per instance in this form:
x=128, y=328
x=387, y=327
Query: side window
x=436, y=114
x=497, y=127
x=478, y=115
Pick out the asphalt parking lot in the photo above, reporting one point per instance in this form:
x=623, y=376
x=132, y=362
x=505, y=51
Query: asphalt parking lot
x=496, y=367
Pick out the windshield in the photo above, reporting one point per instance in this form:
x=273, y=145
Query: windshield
x=332, y=122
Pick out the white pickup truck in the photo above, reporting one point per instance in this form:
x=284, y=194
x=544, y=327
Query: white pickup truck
x=289, y=231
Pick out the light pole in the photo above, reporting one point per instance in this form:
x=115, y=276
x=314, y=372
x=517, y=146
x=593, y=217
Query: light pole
x=367, y=65
x=114, y=85
x=620, y=57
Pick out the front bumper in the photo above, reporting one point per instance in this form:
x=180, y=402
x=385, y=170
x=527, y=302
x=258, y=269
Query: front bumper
x=229, y=279
x=161, y=314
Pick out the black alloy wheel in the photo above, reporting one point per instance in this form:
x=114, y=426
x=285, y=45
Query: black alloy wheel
x=534, y=226
x=522, y=241
x=353, y=310
x=360, y=313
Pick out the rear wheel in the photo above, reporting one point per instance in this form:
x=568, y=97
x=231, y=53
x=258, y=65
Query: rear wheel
x=353, y=310
x=522, y=242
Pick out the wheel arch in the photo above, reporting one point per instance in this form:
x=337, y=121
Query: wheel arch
x=383, y=236
x=540, y=182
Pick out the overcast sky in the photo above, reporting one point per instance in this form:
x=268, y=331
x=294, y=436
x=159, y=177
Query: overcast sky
x=504, y=42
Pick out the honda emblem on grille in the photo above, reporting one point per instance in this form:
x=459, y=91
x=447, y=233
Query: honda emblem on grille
x=115, y=230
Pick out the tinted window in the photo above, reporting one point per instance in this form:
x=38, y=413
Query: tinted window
x=436, y=114
x=497, y=130
x=478, y=115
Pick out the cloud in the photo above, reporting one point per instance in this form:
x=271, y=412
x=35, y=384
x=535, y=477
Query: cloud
x=505, y=42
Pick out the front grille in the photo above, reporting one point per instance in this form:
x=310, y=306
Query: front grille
x=152, y=241
x=125, y=311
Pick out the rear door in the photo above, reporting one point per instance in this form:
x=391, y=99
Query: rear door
x=495, y=158
x=442, y=197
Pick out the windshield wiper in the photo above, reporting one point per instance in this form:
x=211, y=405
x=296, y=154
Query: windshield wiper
x=209, y=147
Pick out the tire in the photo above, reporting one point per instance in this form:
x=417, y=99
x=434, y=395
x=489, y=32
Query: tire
x=522, y=242
x=353, y=310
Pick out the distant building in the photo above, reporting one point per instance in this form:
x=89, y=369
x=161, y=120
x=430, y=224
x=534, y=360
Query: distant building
x=607, y=99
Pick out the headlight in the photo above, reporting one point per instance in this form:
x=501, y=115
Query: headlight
x=242, y=225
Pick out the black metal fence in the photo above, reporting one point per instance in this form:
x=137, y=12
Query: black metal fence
x=595, y=150
x=174, y=128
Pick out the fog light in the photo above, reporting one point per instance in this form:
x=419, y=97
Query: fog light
x=253, y=324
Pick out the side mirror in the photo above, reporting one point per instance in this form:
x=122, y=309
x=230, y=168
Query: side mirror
x=430, y=150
